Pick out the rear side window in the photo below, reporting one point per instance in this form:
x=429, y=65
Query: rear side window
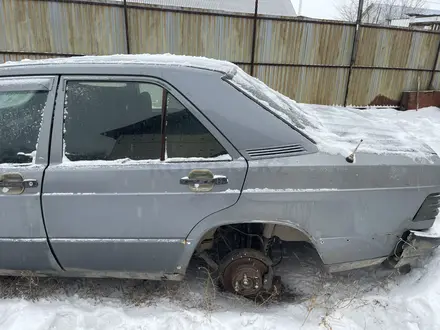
x=110, y=121
x=186, y=137
x=131, y=120
x=20, y=121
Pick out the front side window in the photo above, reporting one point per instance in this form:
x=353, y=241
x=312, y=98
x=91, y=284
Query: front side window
x=130, y=120
x=20, y=121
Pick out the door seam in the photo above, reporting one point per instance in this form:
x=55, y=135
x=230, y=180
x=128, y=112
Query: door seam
x=44, y=175
x=228, y=207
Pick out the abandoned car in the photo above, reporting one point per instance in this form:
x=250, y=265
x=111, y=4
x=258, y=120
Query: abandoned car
x=129, y=166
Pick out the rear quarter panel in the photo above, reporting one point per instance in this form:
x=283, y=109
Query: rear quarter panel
x=351, y=212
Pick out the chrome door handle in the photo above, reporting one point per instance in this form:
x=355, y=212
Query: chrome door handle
x=217, y=180
x=220, y=179
x=203, y=180
x=14, y=184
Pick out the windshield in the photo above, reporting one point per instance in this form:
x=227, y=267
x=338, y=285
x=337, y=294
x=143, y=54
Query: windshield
x=275, y=102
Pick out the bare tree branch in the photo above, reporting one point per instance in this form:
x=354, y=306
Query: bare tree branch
x=379, y=11
x=348, y=11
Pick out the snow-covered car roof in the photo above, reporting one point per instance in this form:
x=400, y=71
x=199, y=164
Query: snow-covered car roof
x=145, y=59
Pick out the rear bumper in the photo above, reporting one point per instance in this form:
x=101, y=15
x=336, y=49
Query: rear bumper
x=416, y=245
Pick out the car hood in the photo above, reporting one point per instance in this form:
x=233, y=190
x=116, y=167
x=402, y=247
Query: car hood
x=382, y=131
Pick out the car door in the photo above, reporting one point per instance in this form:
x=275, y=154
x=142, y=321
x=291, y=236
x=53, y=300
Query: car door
x=26, y=106
x=125, y=186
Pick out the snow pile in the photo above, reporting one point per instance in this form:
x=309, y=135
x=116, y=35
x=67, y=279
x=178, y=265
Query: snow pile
x=423, y=124
x=384, y=131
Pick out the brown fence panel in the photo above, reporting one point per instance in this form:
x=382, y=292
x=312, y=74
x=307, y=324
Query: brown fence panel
x=437, y=66
x=225, y=38
x=383, y=87
x=306, y=84
x=59, y=27
x=296, y=42
x=397, y=48
x=436, y=81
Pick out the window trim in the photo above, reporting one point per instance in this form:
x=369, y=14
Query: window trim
x=163, y=128
x=29, y=84
x=57, y=146
x=33, y=83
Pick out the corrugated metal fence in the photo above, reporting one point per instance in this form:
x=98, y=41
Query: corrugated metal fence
x=310, y=61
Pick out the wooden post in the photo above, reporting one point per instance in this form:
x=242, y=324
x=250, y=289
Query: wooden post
x=354, y=49
x=254, y=38
x=127, y=34
x=418, y=92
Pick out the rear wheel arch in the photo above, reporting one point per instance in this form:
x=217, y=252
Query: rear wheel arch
x=200, y=238
x=275, y=227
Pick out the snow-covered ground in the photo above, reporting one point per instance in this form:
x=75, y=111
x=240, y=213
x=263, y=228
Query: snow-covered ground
x=364, y=299
x=373, y=299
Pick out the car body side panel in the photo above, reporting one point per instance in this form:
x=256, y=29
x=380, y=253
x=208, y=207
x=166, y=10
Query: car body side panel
x=130, y=218
x=350, y=212
x=23, y=241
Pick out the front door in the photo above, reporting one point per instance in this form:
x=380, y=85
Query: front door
x=26, y=106
x=124, y=186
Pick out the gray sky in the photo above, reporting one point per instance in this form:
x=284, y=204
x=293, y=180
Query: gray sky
x=327, y=8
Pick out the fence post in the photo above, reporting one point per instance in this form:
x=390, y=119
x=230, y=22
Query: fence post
x=127, y=35
x=354, y=49
x=254, y=38
x=431, y=80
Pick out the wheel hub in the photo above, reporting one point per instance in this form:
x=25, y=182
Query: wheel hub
x=247, y=279
x=244, y=276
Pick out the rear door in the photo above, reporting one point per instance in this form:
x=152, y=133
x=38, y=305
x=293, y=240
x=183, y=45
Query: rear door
x=124, y=186
x=26, y=106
